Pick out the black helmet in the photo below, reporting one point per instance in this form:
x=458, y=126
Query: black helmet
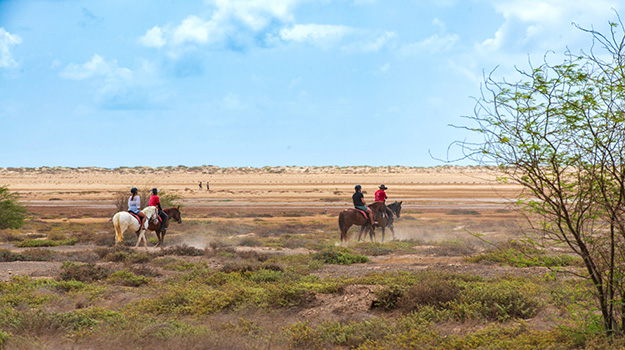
x=358, y=187
x=382, y=187
x=154, y=190
x=133, y=190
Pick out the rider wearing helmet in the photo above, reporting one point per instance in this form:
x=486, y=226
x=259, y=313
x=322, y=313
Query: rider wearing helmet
x=134, y=205
x=156, y=202
x=359, y=203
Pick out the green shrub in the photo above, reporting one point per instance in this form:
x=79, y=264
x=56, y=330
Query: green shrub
x=434, y=292
x=32, y=243
x=503, y=299
x=127, y=278
x=12, y=213
x=4, y=338
x=388, y=297
x=83, y=272
x=339, y=256
x=520, y=255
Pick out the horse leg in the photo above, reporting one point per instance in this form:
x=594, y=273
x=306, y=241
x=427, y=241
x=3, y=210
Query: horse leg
x=161, y=239
x=383, y=234
x=362, y=229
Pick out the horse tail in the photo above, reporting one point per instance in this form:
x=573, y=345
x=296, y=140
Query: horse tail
x=118, y=229
x=341, y=221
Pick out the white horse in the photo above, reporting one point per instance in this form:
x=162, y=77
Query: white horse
x=124, y=221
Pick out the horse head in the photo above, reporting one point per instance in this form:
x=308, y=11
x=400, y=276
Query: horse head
x=396, y=208
x=151, y=213
x=175, y=214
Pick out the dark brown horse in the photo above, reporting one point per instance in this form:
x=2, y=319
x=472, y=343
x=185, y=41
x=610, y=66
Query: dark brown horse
x=350, y=217
x=386, y=221
x=160, y=229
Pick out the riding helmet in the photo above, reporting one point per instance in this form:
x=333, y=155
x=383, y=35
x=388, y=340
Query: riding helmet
x=154, y=190
x=133, y=190
x=358, y=187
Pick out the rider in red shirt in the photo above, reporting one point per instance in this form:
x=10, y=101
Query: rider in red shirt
x=380, y=195
x=156, y=202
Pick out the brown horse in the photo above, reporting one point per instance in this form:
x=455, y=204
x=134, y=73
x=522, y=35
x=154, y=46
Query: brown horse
x=160, y=229
x=350, y=217
x=386, y=221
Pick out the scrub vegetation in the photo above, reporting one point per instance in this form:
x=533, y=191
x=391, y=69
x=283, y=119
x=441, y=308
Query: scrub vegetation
x=277, y=284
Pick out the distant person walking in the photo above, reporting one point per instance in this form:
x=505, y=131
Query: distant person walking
x=200, y=185
x=207, y=188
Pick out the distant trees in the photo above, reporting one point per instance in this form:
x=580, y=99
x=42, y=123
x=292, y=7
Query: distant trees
x=560, y=133
x=12, y=214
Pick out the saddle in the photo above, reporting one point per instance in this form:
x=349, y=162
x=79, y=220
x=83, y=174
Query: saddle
x=135, y=216
x=364, y=213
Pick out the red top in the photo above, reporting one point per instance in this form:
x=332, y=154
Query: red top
x=380, y=196
x=154, y=201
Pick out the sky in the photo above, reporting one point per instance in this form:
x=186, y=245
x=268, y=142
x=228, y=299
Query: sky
x=236, y=83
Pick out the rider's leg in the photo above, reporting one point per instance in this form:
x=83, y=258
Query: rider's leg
x=370, y=212
x=143, y=217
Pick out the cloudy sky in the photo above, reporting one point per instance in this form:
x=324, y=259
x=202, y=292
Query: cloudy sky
x=262, y=82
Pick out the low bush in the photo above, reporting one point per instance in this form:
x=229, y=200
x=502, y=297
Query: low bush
x=436, y=292
x=83, y=272
x=127, y=278
x=339, y=256
x=518, y=255
x=45, y=242
x=28, y=255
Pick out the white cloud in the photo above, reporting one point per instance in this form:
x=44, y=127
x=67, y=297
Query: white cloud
x=254, y=14
x=153, y=38
x=7, y=41
x=374, y=45
x=541, y=25
x=229, y=18
x=314, y=32
x=119, y=87
x=194, y=30
x=434, y=44
x=96, y=67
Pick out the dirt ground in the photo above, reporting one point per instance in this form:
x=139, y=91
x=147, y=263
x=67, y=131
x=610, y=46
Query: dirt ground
x=442, y=203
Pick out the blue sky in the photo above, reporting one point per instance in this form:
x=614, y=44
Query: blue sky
x=261, y=83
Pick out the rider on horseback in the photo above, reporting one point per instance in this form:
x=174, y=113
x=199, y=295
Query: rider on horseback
x=134, y=203
x=380, y=196
x=156, y=202
x=359, y=203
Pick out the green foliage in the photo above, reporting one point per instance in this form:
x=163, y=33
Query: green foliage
x=28, y=255
x=523, y=256
x=4, y=338
x=339, y=256
x=127, y=278
x=559, y=132
x=388, y=297
x=83, y=272
x=32, y=243
x=12, y=213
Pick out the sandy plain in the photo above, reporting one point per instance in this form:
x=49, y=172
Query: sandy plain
x=91, y=193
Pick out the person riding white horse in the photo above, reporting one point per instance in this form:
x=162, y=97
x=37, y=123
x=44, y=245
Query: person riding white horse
x=124, y=221
x=134, y=205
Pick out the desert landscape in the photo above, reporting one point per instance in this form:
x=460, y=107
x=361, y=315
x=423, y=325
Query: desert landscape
x=257, y=262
